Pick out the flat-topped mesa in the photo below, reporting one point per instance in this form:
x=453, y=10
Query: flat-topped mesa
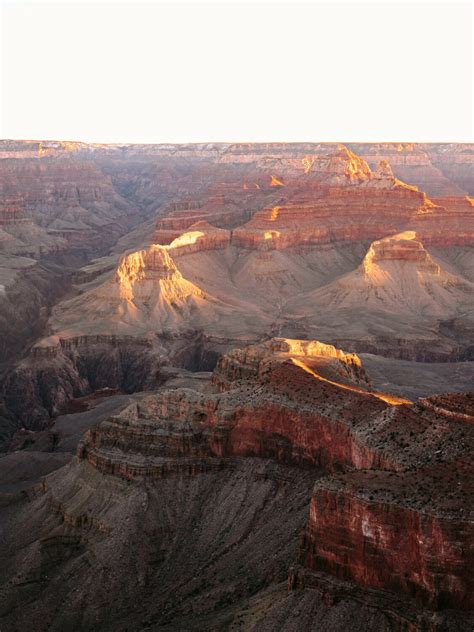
x=401, y=247
x=398, y=275
x=152, y=273
x=199, y=237
x=253, y=362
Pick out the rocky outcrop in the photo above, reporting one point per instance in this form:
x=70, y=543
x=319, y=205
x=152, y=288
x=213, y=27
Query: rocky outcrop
x=434, y=168
x=319, y=214
x=397, y=276
x=391, y=477
x=198, y=238
x=252, y=362
x=407, y=473
x=190, y=499
x=227, y=205
x=41, y=385
x=259, y=411
x=459, y=406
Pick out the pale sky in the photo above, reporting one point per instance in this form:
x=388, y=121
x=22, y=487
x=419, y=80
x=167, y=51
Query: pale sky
x=245, y=71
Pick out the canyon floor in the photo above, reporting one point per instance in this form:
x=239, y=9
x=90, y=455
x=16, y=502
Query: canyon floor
x=236, y=387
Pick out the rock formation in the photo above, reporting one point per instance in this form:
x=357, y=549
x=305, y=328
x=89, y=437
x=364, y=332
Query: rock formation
x=297, y=486
x=385, y=505
x=391, y=476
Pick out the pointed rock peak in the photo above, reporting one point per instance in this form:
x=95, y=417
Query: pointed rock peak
x=344, y=162
x=384, y=169
x=276, y=182
x=384, y=178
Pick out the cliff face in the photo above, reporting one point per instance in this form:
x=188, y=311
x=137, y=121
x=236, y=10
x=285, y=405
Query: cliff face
x=349, y=202
x=437, y=169
x=292, y=256
x=409, y=492
x=69, y=197
x=231, y=452
x=409, y=533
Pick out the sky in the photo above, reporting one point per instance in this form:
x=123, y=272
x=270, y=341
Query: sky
x=151, y=72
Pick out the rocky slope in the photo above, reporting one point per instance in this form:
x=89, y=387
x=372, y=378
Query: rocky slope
x=70, y=198
x=203, y=494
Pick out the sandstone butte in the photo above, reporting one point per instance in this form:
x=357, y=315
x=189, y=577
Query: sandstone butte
x=298, y=483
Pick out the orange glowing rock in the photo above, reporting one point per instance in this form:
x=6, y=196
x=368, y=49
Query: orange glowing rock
x=308, y=162
x=276, y=183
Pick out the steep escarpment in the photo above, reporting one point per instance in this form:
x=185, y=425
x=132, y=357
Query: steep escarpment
x=57, y=371
x=302, y=266
x=449, y=223
x=435, y=168
x=411, y=488
x=421, y=513
x=28, y=289
x=354, y=204
x=68, y=197
x=216, y=463
x=244, y=420
x=287, y=490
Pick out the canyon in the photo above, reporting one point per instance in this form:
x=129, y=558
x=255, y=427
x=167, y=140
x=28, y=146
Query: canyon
x=236, y=386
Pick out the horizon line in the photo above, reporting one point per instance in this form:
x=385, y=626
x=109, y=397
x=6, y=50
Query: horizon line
x=241, y=142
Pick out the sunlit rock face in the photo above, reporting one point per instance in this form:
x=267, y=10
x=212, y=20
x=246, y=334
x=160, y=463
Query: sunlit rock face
x=449, y=223
x=224, y=204
x=147, y=291
x=344, y=201
x=252, y=362
x=146, y=273
x=398, y=271
x=201, y=236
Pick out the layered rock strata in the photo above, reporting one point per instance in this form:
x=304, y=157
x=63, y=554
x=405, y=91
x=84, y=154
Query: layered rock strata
x=413, y=470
